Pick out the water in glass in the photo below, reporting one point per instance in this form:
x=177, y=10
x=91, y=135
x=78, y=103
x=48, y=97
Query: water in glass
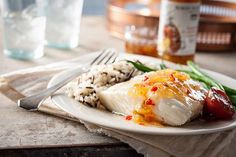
x=63, y=23
x=23, y=31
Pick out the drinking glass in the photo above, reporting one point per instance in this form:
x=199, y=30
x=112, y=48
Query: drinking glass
x=63, y=23
x=24, y=28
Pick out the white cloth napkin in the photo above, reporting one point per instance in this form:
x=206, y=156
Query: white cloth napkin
x=208, y=145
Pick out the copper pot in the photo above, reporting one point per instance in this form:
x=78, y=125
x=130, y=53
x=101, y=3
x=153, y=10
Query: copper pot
x=217, y=29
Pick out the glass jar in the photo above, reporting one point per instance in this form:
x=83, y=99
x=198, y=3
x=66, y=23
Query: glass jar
x=177, y=34
x=141, y=40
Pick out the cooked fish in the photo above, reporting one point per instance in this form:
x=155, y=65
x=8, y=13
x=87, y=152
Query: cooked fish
x=167, y=96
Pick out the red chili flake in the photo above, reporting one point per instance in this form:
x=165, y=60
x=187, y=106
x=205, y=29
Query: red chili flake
x=172, y=77
x=141, y=123
x=145, y=78
x=149, y=102
x=165, y=84
x=129, y=117
x=154, y=88
x=188, y=91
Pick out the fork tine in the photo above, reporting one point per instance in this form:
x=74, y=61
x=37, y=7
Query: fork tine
x=110, y=57
x=105, y=57
x=113, y=58
x=100, y=54
x=102, y=57
x=107, y=54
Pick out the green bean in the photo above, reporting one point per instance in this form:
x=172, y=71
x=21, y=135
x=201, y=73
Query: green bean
x=197, y=78
x=229, y=90
x=232, y=98
x=141, y=66
x=195, y=74
x=163, y=66
x=204, y=77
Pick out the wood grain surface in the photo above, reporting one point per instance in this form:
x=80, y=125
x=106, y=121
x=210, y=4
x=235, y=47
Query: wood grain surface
x=22, y=129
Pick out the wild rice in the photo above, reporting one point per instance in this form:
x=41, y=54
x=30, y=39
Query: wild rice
x=84, y=88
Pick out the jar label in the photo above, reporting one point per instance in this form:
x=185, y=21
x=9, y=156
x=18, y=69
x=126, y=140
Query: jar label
x=178, y=27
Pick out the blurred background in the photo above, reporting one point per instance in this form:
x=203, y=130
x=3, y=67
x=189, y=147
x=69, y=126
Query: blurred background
x=94, y=7
x=111, y=17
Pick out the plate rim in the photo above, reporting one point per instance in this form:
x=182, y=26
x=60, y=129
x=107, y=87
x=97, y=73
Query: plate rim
x=196, y=132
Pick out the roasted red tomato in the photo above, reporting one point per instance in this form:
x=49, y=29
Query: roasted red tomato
x=218, y=104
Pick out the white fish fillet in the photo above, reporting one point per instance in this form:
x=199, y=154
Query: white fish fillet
x=116, y=98
x=168, y=111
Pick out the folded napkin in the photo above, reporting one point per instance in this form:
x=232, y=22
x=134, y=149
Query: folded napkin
x=22, y=83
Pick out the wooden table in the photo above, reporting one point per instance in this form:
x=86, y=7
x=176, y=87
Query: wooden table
x=39, y=134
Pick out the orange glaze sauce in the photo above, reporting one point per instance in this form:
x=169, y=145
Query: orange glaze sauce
x=162, y=84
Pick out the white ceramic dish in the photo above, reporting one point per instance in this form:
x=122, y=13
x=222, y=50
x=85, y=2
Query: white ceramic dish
x=109, y=120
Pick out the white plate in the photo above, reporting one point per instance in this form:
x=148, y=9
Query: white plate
x=109, y=120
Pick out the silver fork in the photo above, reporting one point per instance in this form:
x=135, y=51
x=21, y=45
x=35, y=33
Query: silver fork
x=33, y=102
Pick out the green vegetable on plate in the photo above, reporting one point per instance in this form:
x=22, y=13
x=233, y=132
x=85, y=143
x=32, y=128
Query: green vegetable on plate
x=196, y=74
